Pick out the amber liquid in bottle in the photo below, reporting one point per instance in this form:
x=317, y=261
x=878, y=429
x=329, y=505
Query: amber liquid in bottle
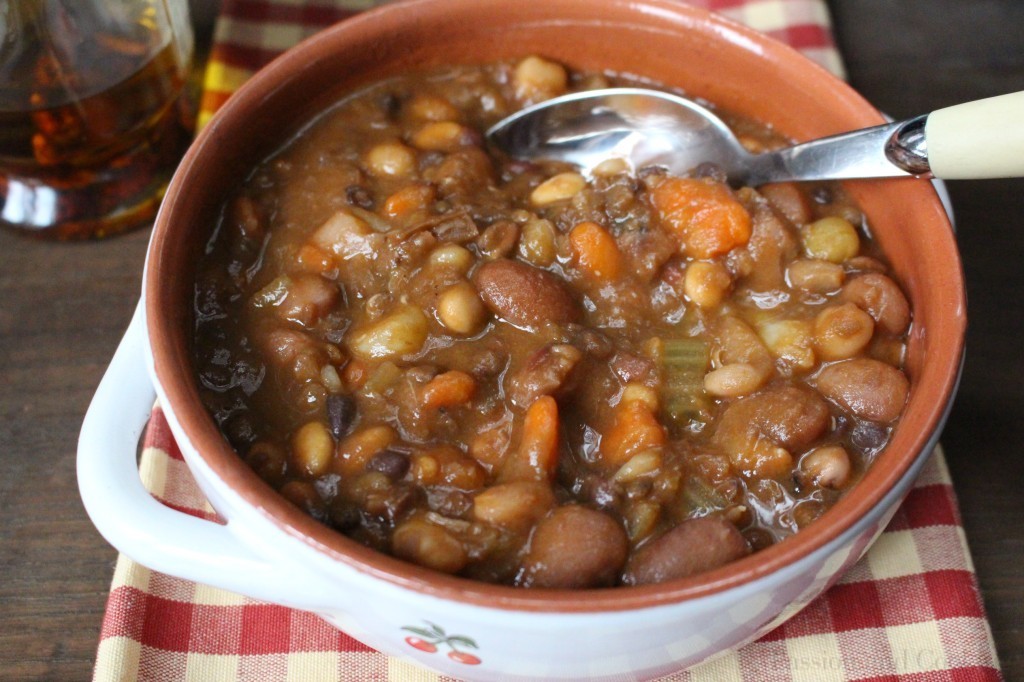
x=93, y=116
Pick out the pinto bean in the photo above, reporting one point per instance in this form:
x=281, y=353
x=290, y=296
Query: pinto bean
x=731, y=381
x=524, y=295
x=868, y=388
x=498, y=240
x=461, y=172
x=842, y=331
x=692, y=547
x=881, y=298
x=816, y=276
x=826, y=467
x=313, y=448
x=575, y=547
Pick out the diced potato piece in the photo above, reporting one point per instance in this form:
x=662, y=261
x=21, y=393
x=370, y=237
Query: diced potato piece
x=401, y=332
x=346, y=236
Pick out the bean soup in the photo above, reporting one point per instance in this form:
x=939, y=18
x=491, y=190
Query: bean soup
x=517, y=374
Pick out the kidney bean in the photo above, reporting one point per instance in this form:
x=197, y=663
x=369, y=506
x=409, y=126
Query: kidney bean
x=794, y=418
x=868, y=388
x=760, y=431
x=524, y=295
x=881, y=298
x=692, y=547
x=631, y=367
x=575, y=547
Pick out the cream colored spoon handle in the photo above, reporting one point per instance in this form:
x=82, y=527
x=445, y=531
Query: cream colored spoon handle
x=981, y=139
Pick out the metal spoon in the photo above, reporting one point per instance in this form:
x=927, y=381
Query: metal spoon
x=982, y=139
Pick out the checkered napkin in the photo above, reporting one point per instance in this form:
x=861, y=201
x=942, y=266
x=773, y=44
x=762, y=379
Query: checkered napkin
x=909, y=610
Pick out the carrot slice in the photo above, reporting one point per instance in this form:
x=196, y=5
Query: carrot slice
x=536, y=459
x=595, y=251
x=702, y=215
x=635, y=428
x=408, y=200
x=448, y=389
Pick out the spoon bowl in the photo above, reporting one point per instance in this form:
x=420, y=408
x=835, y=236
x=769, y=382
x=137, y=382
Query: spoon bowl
x=649, y=127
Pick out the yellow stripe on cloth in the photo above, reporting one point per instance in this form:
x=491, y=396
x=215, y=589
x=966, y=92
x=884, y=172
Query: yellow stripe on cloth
x=219, y=82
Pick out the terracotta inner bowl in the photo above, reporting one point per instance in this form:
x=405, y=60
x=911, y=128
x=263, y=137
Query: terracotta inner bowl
x=737, y=69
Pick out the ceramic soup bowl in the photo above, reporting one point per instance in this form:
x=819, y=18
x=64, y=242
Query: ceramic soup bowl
x=270, y=550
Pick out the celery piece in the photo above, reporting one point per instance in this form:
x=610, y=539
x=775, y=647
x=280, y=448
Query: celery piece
x=701, y=496
x=683, y=365
x=273, y=294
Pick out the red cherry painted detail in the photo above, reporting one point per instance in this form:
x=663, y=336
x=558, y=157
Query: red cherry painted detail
x=422, y=645
x=463, y=657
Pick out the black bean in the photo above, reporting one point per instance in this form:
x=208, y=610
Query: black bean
x=336, y=334
x=595, y=489
x=869, y=437
x=390, y=462
x=519, y=166
x=343, y=514
x=390, y=103
x=357, y=195
x=341, y=412
x=240, y=430
x=394, y=503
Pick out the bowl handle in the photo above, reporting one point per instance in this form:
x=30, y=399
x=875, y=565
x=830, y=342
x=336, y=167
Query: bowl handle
x=129, y=517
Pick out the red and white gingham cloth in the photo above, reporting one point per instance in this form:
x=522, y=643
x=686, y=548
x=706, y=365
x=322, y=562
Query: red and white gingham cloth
x=909, y=610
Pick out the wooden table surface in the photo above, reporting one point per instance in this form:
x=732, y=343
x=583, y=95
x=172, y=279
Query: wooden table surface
x=63, y=308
